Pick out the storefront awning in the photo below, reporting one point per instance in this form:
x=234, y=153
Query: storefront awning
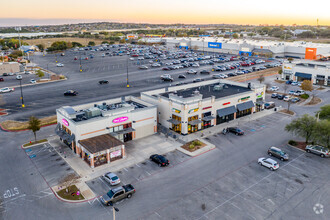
x=195, y=122
x=173, y=121
x=226, y=111
x=303, y=75
x=245, y=105
x=208, y=118
x=100, y=143
x=124, y=131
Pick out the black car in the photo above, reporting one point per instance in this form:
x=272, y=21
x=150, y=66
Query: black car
x=181, y=76
x=205, y=72
x=198, y=80
x=103, y=82
x=70, y=93
x=235, y=130
x=160, y=160
x=280, y=97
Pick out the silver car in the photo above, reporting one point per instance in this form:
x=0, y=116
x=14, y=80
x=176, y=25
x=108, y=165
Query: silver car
x=111, y=178
x=269, y=163
x=318, y=150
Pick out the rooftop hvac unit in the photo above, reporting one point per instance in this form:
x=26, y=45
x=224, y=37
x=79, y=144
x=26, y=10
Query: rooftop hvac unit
x=196, y=92
x=93, y=112
x=218, y=87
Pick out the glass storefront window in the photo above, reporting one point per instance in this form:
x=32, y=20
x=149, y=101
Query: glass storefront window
x=115, y=128
x=121, y=127
x=176, y=128
x=192, y=128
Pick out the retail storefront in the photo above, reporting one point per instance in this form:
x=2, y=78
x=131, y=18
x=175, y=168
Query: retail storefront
x=190, y=108
x=124, y=119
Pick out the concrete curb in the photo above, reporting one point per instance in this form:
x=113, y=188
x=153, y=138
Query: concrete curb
x=294, y=113
x=296, y=148
x=39, y=83
x=305, y=105
x=34, y=145
x=205, y=149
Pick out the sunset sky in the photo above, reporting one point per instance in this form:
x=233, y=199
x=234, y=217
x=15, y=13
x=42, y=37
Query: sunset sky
x=170, y=11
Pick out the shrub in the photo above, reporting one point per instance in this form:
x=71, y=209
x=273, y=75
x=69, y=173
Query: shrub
x=197, y=143
x=191, y=146
x=304, y=96
x=62, y=77
x=292, y=142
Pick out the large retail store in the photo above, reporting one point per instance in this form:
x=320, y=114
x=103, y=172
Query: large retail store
x=189, y=108
x=97, y=131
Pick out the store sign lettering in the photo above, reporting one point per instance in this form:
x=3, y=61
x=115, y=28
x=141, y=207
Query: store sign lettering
x=244, y=99
x=259, y=94
x=115, y=154
x=207, y=107
x=176, y=110
x=193, y=110
x=120, y=119
x=226, y=103
x=65, y=122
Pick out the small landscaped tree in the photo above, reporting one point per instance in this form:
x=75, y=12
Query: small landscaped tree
x=303, y=126
x=324, y=113
x=261, y=78
x=322, y=133
x=69, y=180
x=34, y=126
x=91, y=43
x=40, y=73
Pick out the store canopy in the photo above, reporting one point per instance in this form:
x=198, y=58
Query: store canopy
x=195, y=122
x=124, y=131
x=173, y=121
x=245, y=105
x=226, y=111
x=208, y=118
x=100, y=143
x=303, y=75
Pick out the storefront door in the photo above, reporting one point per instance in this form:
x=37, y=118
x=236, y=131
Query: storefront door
x=127, y=137
x=225, y=118
x=206, y=124
x=192, y=128
x=243, y=113
x=176, y=128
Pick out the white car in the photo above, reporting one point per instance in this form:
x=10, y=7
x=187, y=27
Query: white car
x=299, y=92
x=33, y=81
x=191, y=71
x=131, y=58
x=60, y=65
x=287, y=98
x=111, y=178
x=269, y=163
x=6, y=89
x=274, y=88
x=19, y=77
x=140, y=58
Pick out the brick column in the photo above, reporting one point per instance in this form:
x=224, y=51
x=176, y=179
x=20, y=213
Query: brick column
x=108, y=156
x=77, y=149
x=92, y=161
x=82, y=154
x=235, y=115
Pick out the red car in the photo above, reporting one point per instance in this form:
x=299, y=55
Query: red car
x=134, y=55
x=1, y=79
x=86, y=58
x=75, y=58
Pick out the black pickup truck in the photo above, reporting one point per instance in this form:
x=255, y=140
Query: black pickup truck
x=117, y=194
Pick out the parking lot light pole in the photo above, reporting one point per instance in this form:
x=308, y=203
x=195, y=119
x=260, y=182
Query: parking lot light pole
x=114, y=210
x=80, y=66
x=127, y=83
x=20, y=85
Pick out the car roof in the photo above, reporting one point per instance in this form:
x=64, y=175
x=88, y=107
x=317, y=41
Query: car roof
x=271, y=160
x=110, y=175
x=275, y=148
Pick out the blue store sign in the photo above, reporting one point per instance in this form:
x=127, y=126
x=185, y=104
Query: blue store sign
x=214, y=45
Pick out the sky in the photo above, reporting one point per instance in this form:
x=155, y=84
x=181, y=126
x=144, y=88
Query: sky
x=254, y=12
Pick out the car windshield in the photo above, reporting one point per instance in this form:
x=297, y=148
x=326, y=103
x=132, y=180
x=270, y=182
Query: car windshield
x=114, y=178
x=110, y=193
x=162, y=159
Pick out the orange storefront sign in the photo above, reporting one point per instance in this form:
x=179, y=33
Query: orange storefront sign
x=310, y=53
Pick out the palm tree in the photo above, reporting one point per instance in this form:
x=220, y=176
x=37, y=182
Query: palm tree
x=34, y=126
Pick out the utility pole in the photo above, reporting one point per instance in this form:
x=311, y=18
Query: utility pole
x=80, y=66
x=20, y=85
x=127, y=83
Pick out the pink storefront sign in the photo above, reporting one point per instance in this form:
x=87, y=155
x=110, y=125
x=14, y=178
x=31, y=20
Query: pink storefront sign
x=115, y=154
x=120, y=119
x=65, y=122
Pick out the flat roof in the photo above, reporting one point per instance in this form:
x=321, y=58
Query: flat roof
x=208, y=91
x=100, y=143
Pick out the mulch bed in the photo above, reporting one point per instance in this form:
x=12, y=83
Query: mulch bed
x=314, y=101
x=186, y=146
x=72, y=195
x=300, y=144
x=286, y=111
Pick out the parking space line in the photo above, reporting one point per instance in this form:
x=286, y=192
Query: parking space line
x=105, y=183
x=148, y=173
x=158, y=214
x=235, y=206
x=125, y=169
x=304, y=171
x=137, y=165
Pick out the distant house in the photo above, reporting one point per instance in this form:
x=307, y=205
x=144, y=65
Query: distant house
x=299, y=31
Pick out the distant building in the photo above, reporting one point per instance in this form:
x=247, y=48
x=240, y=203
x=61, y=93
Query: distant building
x=28, y=48
x=9, y=67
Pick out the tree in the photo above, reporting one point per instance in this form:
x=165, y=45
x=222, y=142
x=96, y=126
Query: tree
x=303, y=126
x=40, y=73
x=58, y=45
x=235, y=35
x=307, y=85
x=261, y=79
x=324, y=113
x=34, y=126
x=91, y=43
x=41, y=47
x=322, y=133
x=76, y=44
x=105, y=42
x=280, y=72
x=69, y=180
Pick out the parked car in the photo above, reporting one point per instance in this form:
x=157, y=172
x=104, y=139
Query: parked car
x=143, y=67
x=117, y=194
x=19, y=77
x=294, y=83
x=294, y=100
x=235, y=130
x=318, y=150
x=191, y=71
x=70, y=93
x=5, y=74
x=299, y=92
x=103, y=82
x=6, y=89
x=269, y=105
x=274, y=88
x=288, y=82
x=60, y=65
x=274, y=95
x=1, y=79
x=33, y=81
x=276, y=152
x=198, y=80
x=269, y=163
x=181, y=76
x=291, y=92
x=111, y=178
x=280, y=97
x=204, y=72
x=160, y=160
x=287, y=98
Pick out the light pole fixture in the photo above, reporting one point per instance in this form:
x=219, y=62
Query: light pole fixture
x=22, y=99
x=127, y=83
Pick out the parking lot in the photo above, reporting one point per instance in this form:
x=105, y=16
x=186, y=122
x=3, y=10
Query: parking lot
x=50, y=165
x=134, y=174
